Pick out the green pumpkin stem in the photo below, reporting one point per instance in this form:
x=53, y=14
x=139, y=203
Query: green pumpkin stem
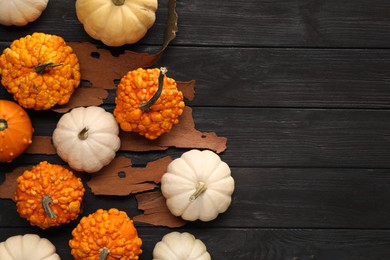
x=46, y=200
x=145, y=105
x=41, y=68
x=3, y=124
x=103, y=253
x=201, y=187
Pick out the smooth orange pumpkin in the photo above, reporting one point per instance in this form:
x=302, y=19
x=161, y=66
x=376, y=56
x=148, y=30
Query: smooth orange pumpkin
x=15, y=130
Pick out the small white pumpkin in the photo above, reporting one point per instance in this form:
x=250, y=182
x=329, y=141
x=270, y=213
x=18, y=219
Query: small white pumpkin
x=198, y=185
x=180, y=246
x=21, y=12
x=27, y=247
x=116, y=22
x=87, y=138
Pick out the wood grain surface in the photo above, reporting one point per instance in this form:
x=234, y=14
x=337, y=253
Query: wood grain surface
x=301, y=90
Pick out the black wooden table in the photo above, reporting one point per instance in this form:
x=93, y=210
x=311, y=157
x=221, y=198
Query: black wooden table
x=301, y=89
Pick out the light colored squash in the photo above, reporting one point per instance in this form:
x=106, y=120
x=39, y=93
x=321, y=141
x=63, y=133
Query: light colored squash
x=21, y=12
x=180, y=246
x=87, y=138
x=198, y=185
x=27, y=247
x=116, y=22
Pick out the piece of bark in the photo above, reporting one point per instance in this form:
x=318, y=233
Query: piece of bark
x=182, y=135
x=83, y=96
x=156, y=211
x=127, y=179
x=187, y=88
x=41, y=145
x=8, y=187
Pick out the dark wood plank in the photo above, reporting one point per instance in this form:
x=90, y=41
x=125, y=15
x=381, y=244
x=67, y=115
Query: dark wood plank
x=255, y=243
x=313, y=78
x=278, y=198
x=292, y=23
x=273, y=137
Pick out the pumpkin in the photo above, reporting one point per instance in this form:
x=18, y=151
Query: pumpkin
x=87, y=138
x=27, y=247
x=48, y=195
x=198, y=185
x=15, y=130
x=148, y=102
x=40, y=71
x=21, y=12
x=180, y=246
x=105, y=235
x=116, y=22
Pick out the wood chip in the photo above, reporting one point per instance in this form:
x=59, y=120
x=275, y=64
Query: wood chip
x=127, y=179
x=155, y=211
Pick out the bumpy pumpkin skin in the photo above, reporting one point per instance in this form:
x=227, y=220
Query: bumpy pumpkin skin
x=28, y=246
x=21, y=12
x=61, y=185
x=139, y=86
x=111, y=231
x=116, y=22
x=15, y=130
x=40, y=71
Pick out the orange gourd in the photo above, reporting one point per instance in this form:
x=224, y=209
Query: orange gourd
x=48, y=195
x=40, y=71
x=15, y=130
x=148, y=102
x=106, y=235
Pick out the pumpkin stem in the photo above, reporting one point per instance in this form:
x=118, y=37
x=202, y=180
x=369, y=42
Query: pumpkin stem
x=103, y=253
x=201, y=187
x=3, y=124
x=46, y=200
x=118, y=2
x=83, y=135
x=145, y=105
x=41, y=68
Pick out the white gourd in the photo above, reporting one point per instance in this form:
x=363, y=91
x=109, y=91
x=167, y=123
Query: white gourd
x=87, y=138
x=198, y=185
x=116, y=22
x=27, y=247
x=21, y=12
x=180, y=246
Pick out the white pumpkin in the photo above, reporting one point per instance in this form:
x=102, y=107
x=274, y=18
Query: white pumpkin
x=198, y=185
x=180, y=246
x=87, y=138
x=21, y=12
x=27, y=247
x=116, y=22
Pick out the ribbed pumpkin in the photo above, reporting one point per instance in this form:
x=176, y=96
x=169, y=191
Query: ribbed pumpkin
x=148, y=102
x=15, y=130
x=106, y=235
x=48, y=195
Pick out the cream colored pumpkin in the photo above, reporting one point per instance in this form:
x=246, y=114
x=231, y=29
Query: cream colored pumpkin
x=116, y=22
x=87, y=138
x=21, y=12
x=27, y=247
x=180, y=246
x=198, y=185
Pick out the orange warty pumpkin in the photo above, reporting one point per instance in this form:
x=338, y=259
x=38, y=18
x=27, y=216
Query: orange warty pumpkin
x=15, y=130
x=48, y=195
x=40, y=71
x=106, y=235
x=148, y=102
